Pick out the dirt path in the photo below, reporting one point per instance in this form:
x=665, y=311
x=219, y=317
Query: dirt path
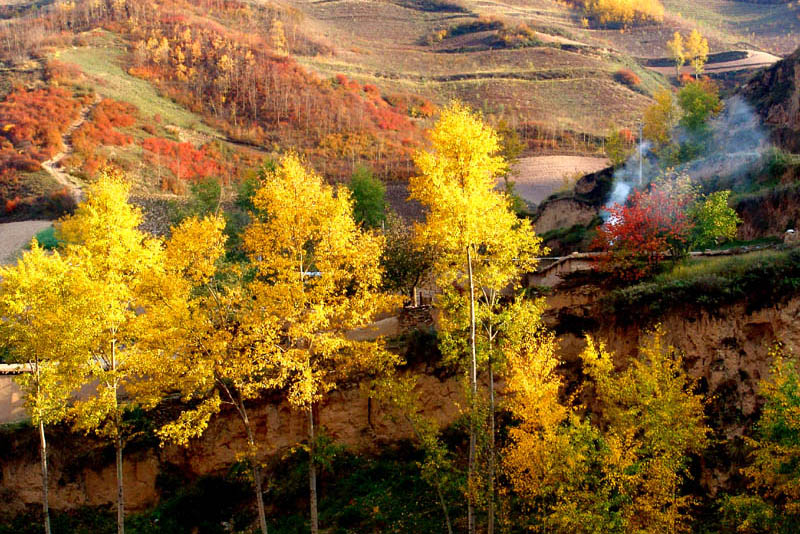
x=754, y=60
x=15, y=235
x=53, y=166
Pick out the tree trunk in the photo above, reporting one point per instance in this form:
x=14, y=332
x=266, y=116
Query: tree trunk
x=312, y=473
x=257, y=476
x=120, y=495
x=444, y=509
x=43, y=452
x=473, y=397
x=490, y=529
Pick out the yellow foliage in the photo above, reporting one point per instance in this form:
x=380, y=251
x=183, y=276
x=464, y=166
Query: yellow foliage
x=697, y=51
x=624, y=12
x=677, y=52
x=661, y=117
x=319, y=276
x=618, y=468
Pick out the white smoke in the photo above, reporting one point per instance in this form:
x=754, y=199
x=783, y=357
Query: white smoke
x=736, y=145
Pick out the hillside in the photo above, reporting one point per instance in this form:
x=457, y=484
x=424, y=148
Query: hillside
x=399, y=266
x=776, y=97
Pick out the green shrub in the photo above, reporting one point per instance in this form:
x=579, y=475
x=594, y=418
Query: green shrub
x=369, y=198
x=47, y=239
x=760, y=279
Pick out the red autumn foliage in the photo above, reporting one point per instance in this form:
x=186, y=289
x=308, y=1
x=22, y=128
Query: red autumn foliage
x=627, y=135
x=640, y=234
x=184, y=160
x=34, y=121
x=11, y=204
x=101, y=129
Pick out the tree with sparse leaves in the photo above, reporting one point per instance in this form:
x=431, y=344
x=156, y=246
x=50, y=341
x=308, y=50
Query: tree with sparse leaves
x=697, y=52
x=772, y=504
x=677, y=52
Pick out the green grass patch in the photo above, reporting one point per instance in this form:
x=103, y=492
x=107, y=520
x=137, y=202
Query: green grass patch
x=103, y=60
x=47, y=239
x=760, y=279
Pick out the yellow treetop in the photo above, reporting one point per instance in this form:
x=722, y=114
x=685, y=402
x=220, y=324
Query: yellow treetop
x=661, y=117
x=42, y=325
x=677, y=51
x=457, y=185
x=697, y=51
x=318, y=274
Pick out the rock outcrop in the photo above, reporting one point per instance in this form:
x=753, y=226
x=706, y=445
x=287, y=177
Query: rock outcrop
x=775, y=94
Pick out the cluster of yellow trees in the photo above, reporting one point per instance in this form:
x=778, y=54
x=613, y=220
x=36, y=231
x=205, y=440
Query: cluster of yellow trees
x=624, y=12
x=693, y=49
x=130, y=319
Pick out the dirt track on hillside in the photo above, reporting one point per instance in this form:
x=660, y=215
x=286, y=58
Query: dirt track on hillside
x=53, y=165
x=754, y=60
x=15, y=235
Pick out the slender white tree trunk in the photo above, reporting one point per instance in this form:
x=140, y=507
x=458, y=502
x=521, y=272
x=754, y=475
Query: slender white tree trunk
x=312, y=473
x=490, y=528
x=120, y=494
x=473, y=398
x=257, y=476
x=43, y=452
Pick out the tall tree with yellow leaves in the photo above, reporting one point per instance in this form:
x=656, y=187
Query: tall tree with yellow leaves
x=482, y=247
x=318, y=275
x=677, y=52
x=697, y=51
x=661, y=117
x=617, y=466
x=224, y=344
x=103, y=240
x=41, y=326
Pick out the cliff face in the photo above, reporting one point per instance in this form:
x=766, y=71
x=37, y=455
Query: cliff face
x=775, y=94
x=82, y=471
x=727, y=352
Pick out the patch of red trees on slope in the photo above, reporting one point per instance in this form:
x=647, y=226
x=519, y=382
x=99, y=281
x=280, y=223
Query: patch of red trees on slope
x=32, y=123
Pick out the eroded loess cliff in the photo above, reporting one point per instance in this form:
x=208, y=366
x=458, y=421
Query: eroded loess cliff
x=727, y=352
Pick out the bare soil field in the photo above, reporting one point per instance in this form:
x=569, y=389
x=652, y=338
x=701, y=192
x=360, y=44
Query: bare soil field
x=538, y=177
x=15, y=235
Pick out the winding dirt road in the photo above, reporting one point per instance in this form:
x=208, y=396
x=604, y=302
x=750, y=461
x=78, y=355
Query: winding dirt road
x=53, y=165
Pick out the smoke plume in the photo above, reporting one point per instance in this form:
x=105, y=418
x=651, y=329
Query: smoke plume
x=736, y=144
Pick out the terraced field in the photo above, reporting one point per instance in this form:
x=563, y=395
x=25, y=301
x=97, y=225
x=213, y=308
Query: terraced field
x=558, y=82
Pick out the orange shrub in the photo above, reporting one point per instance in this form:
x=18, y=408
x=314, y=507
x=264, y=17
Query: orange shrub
x=184, y=160
x=34, y=121
x=627, y=77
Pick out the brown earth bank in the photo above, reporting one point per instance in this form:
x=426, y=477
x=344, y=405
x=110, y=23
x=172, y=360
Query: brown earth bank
x=726, y=351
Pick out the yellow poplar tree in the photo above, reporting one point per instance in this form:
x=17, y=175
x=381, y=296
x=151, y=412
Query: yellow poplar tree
x=41, y=326
x=103, y=240
x=224, y=344
x=661, y=117
x=482, y=249
x=697, y=51
x=618, y=467
x=319, y=276
x=677, y=51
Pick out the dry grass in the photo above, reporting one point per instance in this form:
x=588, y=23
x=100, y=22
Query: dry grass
x=562, y=85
